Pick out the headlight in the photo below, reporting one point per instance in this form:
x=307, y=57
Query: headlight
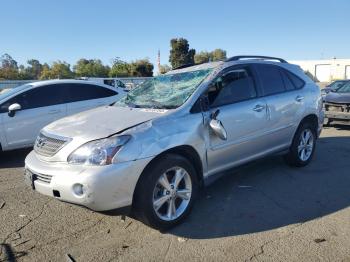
x=98, y=152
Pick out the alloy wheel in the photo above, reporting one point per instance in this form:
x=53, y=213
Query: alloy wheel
x=172, y=193
x=306, y=145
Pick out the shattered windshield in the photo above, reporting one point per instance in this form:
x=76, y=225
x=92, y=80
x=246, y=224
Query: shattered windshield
x=164, y=91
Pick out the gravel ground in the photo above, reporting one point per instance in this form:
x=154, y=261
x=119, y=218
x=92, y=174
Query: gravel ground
x=265, y=211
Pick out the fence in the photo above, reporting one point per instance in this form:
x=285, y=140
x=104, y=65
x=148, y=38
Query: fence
x=130, y=82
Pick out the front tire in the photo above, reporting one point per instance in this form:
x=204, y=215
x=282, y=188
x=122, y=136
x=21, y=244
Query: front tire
x=303, y=146
x=166, y=191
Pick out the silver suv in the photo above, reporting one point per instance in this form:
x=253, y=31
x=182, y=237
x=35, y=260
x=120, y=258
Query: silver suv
x=156, y=147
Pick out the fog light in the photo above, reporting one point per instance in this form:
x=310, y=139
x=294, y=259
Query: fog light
x=78, y=189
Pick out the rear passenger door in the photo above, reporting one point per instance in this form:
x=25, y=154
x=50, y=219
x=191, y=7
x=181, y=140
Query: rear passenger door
x=284, y=97
x=87, y=96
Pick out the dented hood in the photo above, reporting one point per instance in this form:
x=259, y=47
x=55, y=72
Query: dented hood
x=102, y=122
x=341, y=98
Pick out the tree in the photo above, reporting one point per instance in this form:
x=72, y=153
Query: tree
x=119, y=68
x=91, y=68
x=8, y=67
x=164, y=69
x=205, y=57
x=202, y=57
x=34, y=69
x=218, y=55
x=180, y=54
x=23, y=73
x=59, y=69
x=141, y=68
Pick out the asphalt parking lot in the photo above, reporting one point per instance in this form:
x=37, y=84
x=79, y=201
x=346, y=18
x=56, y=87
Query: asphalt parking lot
x=265, y=211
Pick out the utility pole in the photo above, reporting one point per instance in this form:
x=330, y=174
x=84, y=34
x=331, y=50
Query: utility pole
x=158, y=61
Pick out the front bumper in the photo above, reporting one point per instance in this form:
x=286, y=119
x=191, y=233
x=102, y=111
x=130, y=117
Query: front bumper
x=341, y=116
x=104, y=187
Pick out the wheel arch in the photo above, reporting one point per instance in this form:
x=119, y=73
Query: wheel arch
x=185, y=151
x=311, y=118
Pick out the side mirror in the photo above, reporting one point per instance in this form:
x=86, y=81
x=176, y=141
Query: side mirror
x=13, y=108
x=217, y=126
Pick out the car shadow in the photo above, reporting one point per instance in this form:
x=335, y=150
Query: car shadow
x=268, y=194
x=12, y=159
x=341, y=127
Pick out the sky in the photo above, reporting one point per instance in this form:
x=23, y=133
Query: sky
x=72, y=29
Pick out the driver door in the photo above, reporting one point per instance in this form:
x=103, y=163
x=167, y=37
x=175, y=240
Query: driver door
x=234, y=98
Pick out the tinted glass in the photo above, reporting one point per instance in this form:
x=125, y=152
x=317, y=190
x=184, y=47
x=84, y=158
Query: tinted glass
x=271, y=79
x=38, y=97
x=81, y=92
x=298, y=83
x=233, y=86
x=287, y=81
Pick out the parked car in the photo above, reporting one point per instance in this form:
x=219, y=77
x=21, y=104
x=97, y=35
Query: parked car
x=26, y=109
x=333, y=86
x=118, y=84
x=337, y=105
x=154, y=149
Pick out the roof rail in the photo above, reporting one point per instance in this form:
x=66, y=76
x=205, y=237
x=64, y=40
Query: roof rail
x=236, y=58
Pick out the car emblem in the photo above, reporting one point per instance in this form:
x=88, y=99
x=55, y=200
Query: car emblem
x=40, y=142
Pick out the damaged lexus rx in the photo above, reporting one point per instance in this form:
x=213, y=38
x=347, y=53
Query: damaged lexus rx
x=337, y=106
x=156, y=147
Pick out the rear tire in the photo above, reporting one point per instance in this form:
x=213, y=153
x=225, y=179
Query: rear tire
x=303, y=146
x=166, y=192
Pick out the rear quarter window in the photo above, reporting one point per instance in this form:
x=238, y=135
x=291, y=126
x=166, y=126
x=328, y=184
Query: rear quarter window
x=297, y=82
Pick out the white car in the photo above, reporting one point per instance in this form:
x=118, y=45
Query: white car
x=26, y=109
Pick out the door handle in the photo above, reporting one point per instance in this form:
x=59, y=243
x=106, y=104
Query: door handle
x=259, y=108
x=299, y=98
x=54, y=111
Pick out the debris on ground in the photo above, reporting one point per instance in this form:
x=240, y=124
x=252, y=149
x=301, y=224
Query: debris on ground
x=128, y=225
x=319, y=240
x=70, y=258
x=182, y=239
x=2, y=203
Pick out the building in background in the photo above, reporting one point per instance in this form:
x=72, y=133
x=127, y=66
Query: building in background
x=326, y=70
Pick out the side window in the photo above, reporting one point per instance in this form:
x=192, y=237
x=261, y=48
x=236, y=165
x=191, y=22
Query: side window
x=271, y=79
x=81, y=92
x=232, y=86
x=297, y=82
x=38, y=97
x=288, y=84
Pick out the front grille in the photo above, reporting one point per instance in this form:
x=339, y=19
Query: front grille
x=43, y=178
x=48, y=146
x=337, y=107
